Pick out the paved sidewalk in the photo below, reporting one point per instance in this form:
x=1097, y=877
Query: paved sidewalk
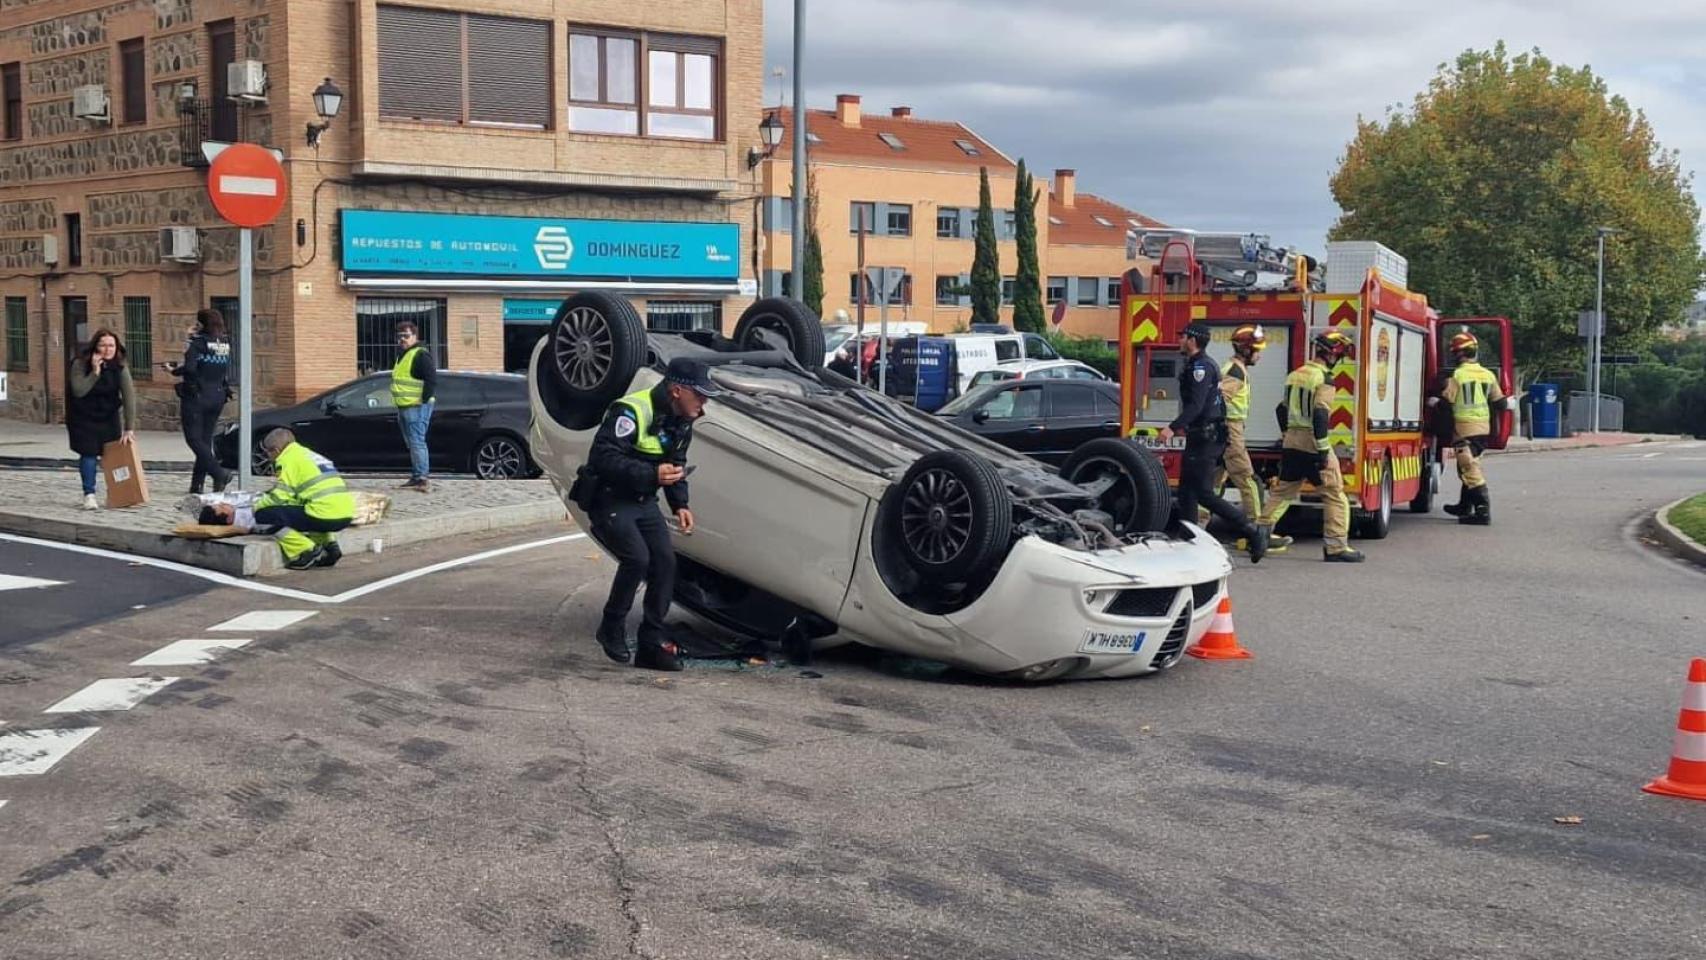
x=1582, y=441
x=43, y=444
x=47, y=504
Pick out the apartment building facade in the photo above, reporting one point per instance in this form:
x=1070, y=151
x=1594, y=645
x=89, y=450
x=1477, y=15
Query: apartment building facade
x=489, y=158
x=916, y=183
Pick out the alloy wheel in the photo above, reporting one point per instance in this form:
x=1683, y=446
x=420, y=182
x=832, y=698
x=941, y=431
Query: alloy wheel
x=936, y=516
x=499, y=458
x=584, y=348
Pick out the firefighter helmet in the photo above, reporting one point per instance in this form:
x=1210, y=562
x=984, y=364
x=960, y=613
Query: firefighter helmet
x=1334, y=344
x=1464, y=342
x=1250, y=337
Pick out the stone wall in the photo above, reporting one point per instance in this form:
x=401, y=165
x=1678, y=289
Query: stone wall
x=28, y=216
x=20, y=253
x=101, y=156
x=70, y=32
x=176, y=206
x=171, y=13
x=54, y=118
x=178, y=53
x=256, y=31
x=59, y=76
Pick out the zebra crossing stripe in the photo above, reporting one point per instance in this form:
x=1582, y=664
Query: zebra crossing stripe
x=262, y=621
x=115, y=694
x=26, y=753
x=187, y=653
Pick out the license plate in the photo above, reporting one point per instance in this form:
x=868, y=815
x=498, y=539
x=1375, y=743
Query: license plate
x=1101, y=641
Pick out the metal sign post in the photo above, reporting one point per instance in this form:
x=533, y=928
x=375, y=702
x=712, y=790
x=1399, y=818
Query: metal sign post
x=245, y=355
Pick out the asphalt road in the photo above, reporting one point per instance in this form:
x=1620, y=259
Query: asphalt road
x=448, y=768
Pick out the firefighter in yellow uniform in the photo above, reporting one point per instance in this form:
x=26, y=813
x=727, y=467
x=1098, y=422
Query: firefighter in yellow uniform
x=1248, y=342
x=1306, y=454
x=306, y=507
x=1473, y=392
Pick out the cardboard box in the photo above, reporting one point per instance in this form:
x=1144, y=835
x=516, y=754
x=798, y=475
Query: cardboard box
x=127, y=486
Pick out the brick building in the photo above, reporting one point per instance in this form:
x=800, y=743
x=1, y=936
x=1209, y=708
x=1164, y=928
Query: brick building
x=916, y=183
x=490, y=156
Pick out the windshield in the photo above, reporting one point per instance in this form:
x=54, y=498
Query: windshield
x=969, y=400
x=987, y=377
x=834, y=337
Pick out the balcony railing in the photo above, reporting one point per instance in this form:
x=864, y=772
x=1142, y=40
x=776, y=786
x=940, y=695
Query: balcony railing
x=202, y=120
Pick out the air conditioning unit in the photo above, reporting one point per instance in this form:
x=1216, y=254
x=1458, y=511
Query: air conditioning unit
x=246, y=81
x=90, y=103
x=180, y=244
x=50, y=249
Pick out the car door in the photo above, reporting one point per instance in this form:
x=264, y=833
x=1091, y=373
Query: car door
x=357, y=427
x=1072, y=420
x=1012, y=417
x=458, y=407
x=1038, y=348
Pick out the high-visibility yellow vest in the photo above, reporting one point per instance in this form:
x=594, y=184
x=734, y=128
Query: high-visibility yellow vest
x=645, y=440
x=1238, y=403
x=406, y=389
x=1300, y=387
x=1475, y=385
x=310, y=481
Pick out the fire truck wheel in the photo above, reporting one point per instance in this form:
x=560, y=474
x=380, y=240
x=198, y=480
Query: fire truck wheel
x=1424, y=501
x=1377, y=523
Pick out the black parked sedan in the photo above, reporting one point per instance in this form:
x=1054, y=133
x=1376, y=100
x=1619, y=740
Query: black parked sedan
x=1044, y=419
x=479, y=426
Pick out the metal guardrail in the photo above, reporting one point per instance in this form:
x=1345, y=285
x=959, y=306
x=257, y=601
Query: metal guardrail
x=1578, y=412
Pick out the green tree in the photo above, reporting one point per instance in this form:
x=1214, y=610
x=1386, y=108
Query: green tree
x=986, y=260
x=1027, y=284
x=813, y=279
x=1491, y=184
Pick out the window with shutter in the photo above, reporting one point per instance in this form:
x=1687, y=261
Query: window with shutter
x=420, y=64
x=509, y=71
x=133, y=73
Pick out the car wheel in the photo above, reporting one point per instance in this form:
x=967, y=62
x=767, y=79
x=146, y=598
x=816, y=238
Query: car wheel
x=780, y=323
x=1379, y=523
x=952, y=519
x=259, y=463
x=598, y=343
x=500, y=457
x=1138, y=500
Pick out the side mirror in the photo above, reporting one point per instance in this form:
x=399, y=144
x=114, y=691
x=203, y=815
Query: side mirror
x=329, y=405
x=982, y=416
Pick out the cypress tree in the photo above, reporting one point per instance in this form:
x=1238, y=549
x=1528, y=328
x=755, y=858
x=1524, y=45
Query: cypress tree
x=986, y=261
x=1027, y=284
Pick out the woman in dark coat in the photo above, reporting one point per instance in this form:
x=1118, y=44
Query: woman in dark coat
x=100, y=391
x=202, y=391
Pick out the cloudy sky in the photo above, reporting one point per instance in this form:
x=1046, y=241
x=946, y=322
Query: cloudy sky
x=1218, y=114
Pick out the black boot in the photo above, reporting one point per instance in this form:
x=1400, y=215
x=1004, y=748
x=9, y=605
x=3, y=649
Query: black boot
x=1462, y=505
x=663, y=656
x=1478, y=511
x=615, y=645
x=330, y=554
x=1257, y=536
x=221, y=481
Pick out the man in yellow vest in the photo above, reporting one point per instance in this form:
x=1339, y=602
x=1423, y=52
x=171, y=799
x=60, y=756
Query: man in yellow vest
x=641, y=448
x=414, y=385
x=1306, y=454
x=1472, y=392
x=308, y=505
x=1248, y=342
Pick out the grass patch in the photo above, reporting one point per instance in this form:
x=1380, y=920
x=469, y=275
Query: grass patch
x=1690, y=517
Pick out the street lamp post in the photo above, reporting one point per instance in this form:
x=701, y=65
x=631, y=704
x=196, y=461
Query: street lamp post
x=1599, y=324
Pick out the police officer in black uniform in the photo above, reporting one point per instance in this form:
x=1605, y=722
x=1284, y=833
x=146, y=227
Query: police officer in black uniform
x=641, y=448
x=1202, y=422
x=204, y=386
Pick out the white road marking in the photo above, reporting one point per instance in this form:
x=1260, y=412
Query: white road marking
x=9, y=582
x=249, y=186
x=226, y=580
x=120, y=693
x=29, y=752
x=263, y=621
x=185, y=653
x=1649, y=456
x=3, y=803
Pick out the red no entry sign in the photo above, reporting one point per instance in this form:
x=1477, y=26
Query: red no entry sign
x=246, y=183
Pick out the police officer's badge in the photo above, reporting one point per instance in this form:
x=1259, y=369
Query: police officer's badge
x=625, y=426
x=1197, y=373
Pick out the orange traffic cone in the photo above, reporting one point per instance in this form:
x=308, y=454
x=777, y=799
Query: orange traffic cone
x=1221, y=641
x=1687, y=775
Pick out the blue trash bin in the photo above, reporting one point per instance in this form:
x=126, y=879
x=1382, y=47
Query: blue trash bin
x=1544, y=409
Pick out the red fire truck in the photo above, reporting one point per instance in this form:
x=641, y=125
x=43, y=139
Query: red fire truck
x=1391, y=447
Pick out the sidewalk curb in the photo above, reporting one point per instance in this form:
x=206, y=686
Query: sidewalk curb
x=1681, y=542
x=259, y=556
x=62, y=463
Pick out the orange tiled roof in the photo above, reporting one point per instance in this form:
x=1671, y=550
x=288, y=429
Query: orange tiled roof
x=1077, y=225
x=925, y=143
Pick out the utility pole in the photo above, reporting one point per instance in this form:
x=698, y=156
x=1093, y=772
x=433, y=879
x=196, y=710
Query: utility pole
x=1599, y=325
x=799, y=253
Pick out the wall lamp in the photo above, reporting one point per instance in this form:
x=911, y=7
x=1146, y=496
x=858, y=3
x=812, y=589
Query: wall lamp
x=328, y=99
x=771, y=133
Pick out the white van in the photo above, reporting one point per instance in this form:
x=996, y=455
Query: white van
x=974, y=352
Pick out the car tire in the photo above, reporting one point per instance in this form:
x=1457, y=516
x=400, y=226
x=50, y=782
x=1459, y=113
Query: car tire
x=781, y=319
x=596, y=344
x=260, y=464
x=1424, y=500
x=1378, y=523
x=500, y=456
x=952, y=519
x=1139, y=501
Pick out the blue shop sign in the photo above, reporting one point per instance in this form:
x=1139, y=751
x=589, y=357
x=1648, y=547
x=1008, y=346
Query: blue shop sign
x=530, y=311
x=439, y=244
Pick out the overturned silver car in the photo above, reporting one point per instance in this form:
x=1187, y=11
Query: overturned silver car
x=826, y=507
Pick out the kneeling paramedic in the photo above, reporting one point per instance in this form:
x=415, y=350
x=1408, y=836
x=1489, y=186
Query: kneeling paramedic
x=308, y=505
x=641, y=448
x=1306, y=454
x=1202, y=420
x=1472, y=392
